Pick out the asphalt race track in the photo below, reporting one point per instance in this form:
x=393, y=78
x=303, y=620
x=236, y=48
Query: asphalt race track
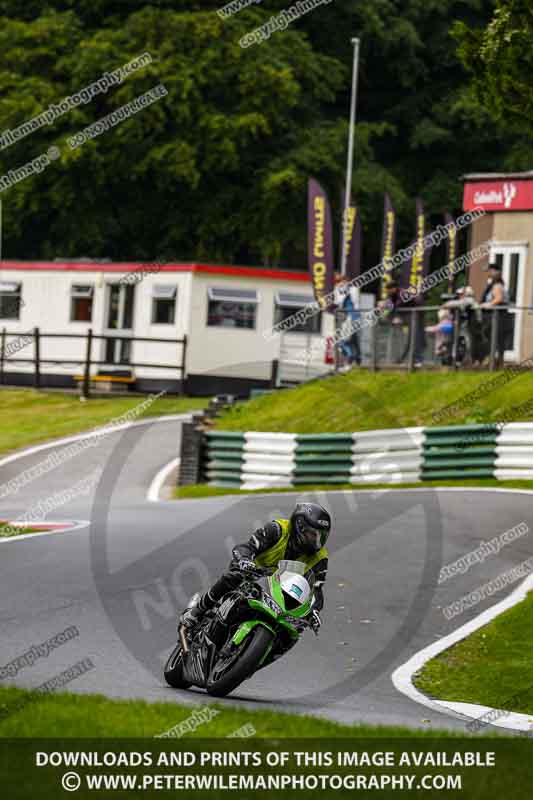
x=121, y=579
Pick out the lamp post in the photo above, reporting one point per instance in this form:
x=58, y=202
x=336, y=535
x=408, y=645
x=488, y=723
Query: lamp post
x=349, y=166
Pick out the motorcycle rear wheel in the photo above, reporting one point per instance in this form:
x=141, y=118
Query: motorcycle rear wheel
x=243, y=664
x=174, y=669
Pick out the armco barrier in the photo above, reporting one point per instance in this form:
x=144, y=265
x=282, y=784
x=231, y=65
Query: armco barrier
x=255, y=460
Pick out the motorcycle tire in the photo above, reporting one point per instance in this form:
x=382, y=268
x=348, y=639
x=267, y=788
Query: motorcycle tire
x=174, y=669
x=252, y=649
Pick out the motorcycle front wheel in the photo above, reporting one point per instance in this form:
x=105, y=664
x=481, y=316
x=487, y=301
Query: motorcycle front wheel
x=174, y=669
x=230, y=671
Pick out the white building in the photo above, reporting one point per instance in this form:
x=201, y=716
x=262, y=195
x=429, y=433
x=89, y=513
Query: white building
x=223, y=312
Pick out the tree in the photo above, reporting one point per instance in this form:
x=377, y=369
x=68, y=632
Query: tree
x=217, y=169
x=500, y=59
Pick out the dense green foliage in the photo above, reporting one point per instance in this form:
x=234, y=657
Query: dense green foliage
x=217, y=169
x=501, y=60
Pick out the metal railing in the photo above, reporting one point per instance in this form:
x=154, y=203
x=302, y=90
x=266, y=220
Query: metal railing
x=86, y=360
x=399, y=339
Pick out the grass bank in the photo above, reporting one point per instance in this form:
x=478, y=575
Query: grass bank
x=362, y=400
x=492, y=667
x=201, y=490
x=30, y=417
x=37, y=715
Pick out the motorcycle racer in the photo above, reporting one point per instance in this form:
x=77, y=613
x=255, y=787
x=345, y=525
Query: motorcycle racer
x=300, y=538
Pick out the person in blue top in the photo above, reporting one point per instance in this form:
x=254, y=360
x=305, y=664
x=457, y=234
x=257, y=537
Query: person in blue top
x=346, y=303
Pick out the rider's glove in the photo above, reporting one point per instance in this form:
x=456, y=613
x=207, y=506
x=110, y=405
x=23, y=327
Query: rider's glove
x=245, y=565
x=315, y=622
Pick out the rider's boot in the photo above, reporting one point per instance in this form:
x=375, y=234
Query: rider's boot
x=196, y=608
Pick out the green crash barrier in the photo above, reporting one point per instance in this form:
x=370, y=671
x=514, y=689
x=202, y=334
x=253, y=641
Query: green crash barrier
x=234, y=452
x=462, y=440
x=489, y=426
x=459, y=452
x=231, y=464
x=222, y=445
x=320, y=457
x=307, y=479
x=456, y=474
x=306, y=438
x=302, y=469
x=322, y=448
x=434, y=463
x=228, y=478
x=444, y=452
x=453, y=452
x=225, y=435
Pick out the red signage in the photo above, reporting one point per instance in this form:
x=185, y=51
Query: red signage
x=505, y=195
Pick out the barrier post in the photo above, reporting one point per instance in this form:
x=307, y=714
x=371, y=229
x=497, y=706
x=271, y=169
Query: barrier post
x=373, y=348
x=183, y=361
x=336, y=346
x=274, y=372
x=456, y=321
x=2, y=354
x=191, y=454
x=493, y=339
x=37, y=375
x=412, y=339
x=86, y=386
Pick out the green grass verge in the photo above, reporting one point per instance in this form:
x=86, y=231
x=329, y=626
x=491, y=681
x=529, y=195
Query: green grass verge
x=67, y=715
x=201, y=490
x=492, y=667
x=29, y=417
x=363, y=400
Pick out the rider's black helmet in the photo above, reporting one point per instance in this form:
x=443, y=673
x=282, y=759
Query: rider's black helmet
x=310, y=527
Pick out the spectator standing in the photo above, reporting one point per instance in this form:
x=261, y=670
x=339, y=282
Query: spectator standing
x=347, y=304
x=495, y=296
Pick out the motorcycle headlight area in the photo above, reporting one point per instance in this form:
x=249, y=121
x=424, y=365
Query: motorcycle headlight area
x=298, y=622
x=271, y=604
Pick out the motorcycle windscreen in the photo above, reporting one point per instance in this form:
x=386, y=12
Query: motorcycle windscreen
x=291, y=566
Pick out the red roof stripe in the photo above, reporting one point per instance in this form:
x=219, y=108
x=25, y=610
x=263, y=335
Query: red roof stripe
x=212, y=269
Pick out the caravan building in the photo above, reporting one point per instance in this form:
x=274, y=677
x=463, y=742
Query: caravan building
x=197, y=328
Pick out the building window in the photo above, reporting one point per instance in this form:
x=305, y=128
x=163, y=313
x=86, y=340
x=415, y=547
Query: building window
x=232, y=308
x=164, y=304
x=287, y=304
x=81, y=302
x=10, y=300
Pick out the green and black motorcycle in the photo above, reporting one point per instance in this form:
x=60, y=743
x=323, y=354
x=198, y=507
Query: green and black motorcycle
x=250, y=628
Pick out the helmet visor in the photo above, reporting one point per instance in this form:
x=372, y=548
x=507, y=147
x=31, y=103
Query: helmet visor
x=311, y=539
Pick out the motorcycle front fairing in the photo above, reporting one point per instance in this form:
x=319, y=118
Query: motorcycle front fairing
x=286, y=584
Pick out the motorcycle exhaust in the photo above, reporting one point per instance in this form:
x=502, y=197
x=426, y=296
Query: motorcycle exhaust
x=183, y=639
